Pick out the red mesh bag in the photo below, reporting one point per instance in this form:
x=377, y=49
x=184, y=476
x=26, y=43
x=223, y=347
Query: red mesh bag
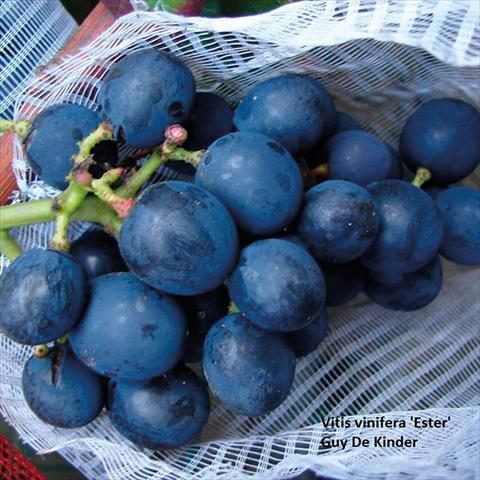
x=14, y=465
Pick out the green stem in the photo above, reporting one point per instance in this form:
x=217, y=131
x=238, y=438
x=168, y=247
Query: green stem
x=232, y=308
x=20, y=127
x=103, y=132
x=102, y=189
x=95, y=211
x=423, y=175
x=65, y=206
x=135, y=182
x=40, y=211
x=109, y=206
x=159, y=156
x=26, y=213
x=62, y=340
x=71, y=199
x=193, y=158
x=321, y=170
x=8, y=246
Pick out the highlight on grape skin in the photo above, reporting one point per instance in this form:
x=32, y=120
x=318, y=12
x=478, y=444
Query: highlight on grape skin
x=238, y=267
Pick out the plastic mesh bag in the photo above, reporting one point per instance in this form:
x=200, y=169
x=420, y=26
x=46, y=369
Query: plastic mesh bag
x=30, y=34
x=380, y=60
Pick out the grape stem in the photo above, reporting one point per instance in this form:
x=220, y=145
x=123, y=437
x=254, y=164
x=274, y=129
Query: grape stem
x=135, y=181
x=321, y=170
x=20, y=127
x=193, y=158
x=92, y=210
x=423, y=175
x=103, y=132
x=65, y=206
x=71, y=199
x=102, y=189
x=232, y=308
x=8, y=246
x=170, y=150
x=62, y=340
x=107, y=207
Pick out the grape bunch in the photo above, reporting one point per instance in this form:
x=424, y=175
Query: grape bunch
x=292, y=208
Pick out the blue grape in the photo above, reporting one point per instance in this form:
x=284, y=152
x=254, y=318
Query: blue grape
x=248, y=368
x=345, y=122
x=42, y=294
x=129, y=330
x=202, y=311
x=344, y=282
x=294, y=110
x=277, y=285
x=338, y=222
x=460, y=211
x=411, y=229
x=307, y=339
x=412, y=291
x=442, y=136
x=97, y=253
x=179, y=238
x=256, y=179
x=358, y=157
x=163, y=412
x=62, y=391
x=145, y=92
x=53, y=139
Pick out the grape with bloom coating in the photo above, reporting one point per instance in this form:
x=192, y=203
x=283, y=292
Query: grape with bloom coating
x=294, y=110
x=179, y=239
x=250, y=369
x=410, y=232
x=256, y=179
x=277, y=285
x=42, y=296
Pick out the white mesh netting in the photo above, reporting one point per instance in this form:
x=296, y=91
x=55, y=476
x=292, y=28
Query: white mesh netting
x=30, y=34
x=379, y=59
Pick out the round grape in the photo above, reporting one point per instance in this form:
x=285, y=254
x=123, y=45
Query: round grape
x=358, y=157
x=145, y=92
x=249, y=369
x=53, y=138
x=179, y=238
x=411, y=291
x=62, y=391
x=442, y=136
x=411, y=229
x=256, y=179
x=277, y=285
x=294, y=110
x=163, y=412
x=460, y=211
x=338, y=222
x=129, y=330
x=42, y=294
x=97, y=253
